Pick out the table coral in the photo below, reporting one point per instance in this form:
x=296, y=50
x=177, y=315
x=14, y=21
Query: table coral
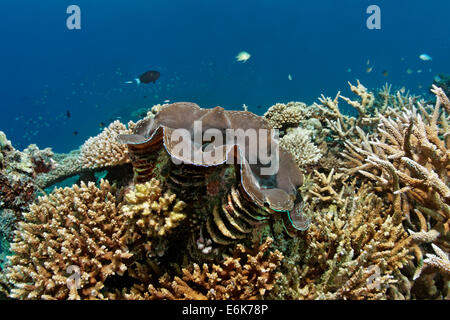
x=74, y=228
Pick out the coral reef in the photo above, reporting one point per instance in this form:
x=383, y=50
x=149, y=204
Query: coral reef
x=359, y=208
x=442, y=81
x=151, y=216
x=298, y=143
x=71, y=229
x=352, y=250
x=282, y=116
x=103, y=150
x=18, y=187
x=65, y=166
x=244, y=275
x=402, y=148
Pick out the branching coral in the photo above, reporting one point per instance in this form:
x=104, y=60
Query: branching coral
x=283, y=116
x=103, y=150
x=404, y=151
x=248, y=274
x=298, y=143
x=151, y=215
x=325, y=189
x=410, y=158
x=353, y=250
x=69, y=239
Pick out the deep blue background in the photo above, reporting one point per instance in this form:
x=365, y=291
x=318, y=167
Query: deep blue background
x=47, y=69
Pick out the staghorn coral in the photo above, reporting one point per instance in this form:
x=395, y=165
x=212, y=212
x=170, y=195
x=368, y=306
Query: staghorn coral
x=404, y=152
x=71, y=229
x=151, y=215
x=298, y=143
x=410, y=159
x=326, y=189
x=353, y=250
x=103, y=150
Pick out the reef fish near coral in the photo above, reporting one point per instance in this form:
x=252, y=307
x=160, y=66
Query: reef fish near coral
x=425, y=57
x=147, y=77
x=243, y=56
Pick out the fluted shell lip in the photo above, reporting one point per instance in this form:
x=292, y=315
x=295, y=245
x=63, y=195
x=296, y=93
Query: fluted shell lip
x=181, y=117
x=144, y=131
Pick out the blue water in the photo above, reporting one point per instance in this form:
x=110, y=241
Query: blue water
x=47, y=70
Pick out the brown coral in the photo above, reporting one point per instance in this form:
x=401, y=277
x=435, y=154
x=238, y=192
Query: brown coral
x=151, y=215
x=103, y=150
x=353, y=250
x=71, y=230
x=282, y=116
x=402, y=149
x=298, y=143
x=248, y=274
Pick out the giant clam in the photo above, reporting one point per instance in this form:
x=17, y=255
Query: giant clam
x=198, y=142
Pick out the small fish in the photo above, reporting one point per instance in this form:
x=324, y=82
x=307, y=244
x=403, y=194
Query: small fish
x=402, y=90
x=259, y=107
x=166, y=101
x=369, y=69
x=101, y=124
x=68, y=114
x=75, y=133
x=420, y=86
x=419, y=71
x=425, y=57
x=436, y=78
x=243, y=56
x=145, y=97
x=402, y=59
x=349, y=70
x=147, y=77
x=409, y=71
x=385, y=73
x=289, y=77
x=368, y=62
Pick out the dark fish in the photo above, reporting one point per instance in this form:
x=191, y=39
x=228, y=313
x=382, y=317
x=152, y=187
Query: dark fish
x=101, y=124
x=147, y=77
x=68, y=114
x=385, y=73
x=259, y=107
x=75, y=133
x=145, y=97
